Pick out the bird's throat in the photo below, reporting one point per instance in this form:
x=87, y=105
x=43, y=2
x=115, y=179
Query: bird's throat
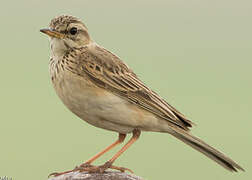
x=58, y=47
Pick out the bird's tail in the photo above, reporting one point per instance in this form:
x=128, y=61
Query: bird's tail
x=207, y=150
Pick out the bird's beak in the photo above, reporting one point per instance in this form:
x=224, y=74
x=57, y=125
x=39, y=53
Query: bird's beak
x=52, y=33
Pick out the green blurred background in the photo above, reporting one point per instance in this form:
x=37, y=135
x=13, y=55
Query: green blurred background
x=194, y=53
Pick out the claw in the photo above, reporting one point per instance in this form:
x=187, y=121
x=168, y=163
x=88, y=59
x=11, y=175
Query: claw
x=55, y=174
x=122, y=169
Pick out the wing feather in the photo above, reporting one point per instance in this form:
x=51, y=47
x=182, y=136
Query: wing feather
x=109, y=72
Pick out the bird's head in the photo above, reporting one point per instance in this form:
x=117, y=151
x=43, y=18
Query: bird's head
x=66, y=33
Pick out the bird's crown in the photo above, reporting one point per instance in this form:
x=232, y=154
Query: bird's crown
x=62, y=21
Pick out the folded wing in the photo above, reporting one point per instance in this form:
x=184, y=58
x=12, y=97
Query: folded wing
x=109, y=72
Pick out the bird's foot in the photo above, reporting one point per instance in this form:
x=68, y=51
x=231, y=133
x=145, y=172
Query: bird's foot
x=77, y=168
x=86, y=167
x=103, y=168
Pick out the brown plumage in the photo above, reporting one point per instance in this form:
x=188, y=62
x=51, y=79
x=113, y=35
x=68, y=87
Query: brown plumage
x=109, y=72
x=101, y=89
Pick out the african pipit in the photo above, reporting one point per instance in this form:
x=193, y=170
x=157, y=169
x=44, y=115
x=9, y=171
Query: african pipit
x=102, y=90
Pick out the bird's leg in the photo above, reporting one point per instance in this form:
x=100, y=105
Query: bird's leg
x=108, y=164
x=136, y=135
x=120, y=140
x=87, y=165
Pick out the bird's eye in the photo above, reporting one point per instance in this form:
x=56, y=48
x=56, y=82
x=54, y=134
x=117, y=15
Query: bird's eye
x=73, y=30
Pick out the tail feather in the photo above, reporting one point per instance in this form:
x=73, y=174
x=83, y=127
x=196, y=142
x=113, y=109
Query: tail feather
x=207, y=150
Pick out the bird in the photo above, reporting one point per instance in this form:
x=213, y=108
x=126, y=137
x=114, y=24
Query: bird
x=98, y=87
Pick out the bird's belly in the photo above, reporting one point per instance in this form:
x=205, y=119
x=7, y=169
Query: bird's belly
x=102, y=108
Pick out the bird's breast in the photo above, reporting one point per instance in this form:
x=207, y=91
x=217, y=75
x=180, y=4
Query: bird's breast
x=91, y=103
x=100, y=107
